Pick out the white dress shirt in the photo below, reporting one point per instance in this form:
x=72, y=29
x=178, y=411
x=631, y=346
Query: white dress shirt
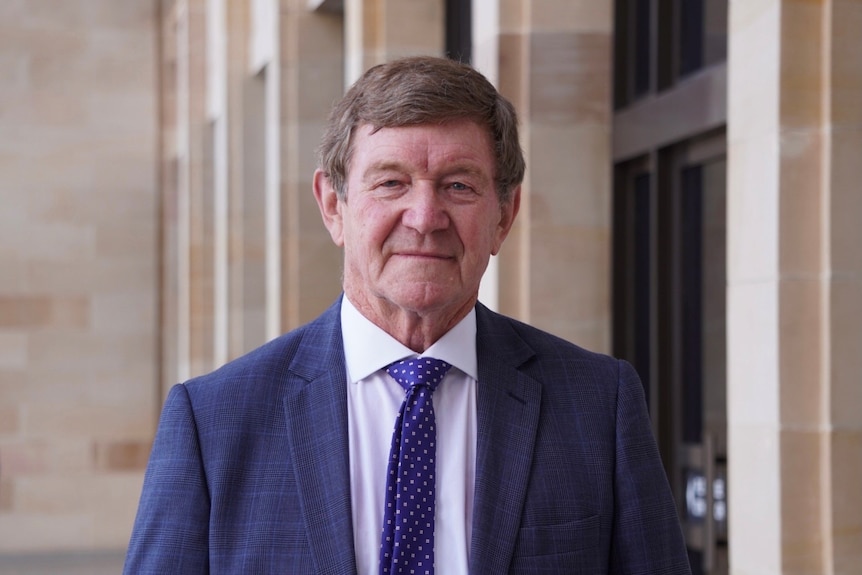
x=373, y=401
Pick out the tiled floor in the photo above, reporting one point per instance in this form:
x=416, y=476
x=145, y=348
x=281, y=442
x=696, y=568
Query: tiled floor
x=98, y=563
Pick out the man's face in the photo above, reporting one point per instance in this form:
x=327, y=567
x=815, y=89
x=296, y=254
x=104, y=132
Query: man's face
x=421, y=216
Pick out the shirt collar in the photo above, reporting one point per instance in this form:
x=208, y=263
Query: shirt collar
x=367, y=348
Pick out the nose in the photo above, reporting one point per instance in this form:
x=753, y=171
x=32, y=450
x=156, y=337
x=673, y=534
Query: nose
x=426, y=211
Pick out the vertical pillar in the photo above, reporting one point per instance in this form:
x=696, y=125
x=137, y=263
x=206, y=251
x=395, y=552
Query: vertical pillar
x=843, y=156
x=311, y=70
x=200, y=218
x=555, y=65
x=792, y=316
x=377, y=31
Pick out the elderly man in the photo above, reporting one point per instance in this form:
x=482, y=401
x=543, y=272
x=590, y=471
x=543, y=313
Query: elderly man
x=513, y=451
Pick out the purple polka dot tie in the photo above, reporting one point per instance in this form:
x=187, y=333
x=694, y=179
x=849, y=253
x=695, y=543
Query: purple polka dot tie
x=407, y=545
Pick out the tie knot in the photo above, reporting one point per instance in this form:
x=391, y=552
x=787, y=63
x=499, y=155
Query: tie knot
x=418, y=371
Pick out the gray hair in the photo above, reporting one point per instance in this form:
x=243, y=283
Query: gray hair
x=423, y=90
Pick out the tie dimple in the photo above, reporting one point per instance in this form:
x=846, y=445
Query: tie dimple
x=407, y=544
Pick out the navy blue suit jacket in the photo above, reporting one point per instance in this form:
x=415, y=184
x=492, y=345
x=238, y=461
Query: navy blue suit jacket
x=249, y=471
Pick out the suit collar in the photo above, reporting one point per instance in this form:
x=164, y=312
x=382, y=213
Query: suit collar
x=509, y=403
x=316, y=410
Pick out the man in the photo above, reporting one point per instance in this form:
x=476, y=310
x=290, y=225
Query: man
x=284, y=461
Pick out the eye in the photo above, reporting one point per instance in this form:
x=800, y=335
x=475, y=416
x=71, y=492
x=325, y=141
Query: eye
x=459, y=187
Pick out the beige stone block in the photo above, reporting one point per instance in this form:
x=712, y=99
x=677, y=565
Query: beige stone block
x=571, y=15
x=801, y=501
x=131, y=241
x=319, y=83
x=753, y=69
x=126, y=115
x=744, y=15
x=800, y=358
x=311, y=36
x=22, y=457
x=593, y=335
x=753, y=392
x=846, y=477
x=13, y=385
x=127, y=313
x=89, y=352
x=846, y=63
x=33, y=312
x=570, y=175
x=577, y=258
x=13, y=349
x=414, y=28
x=512, y=265
x=16, y=206
x=13, y=10
x=754, y=498
x=570, y=77
x=801, y=63
x=319, y=275
x=25, y=532
x=13, y=280
x=48, y=242
x=128, y=386
x=45, y=420
x=115, y=514
x=79, y=351
x=91, y=494
x=511, y=79
x=14, y=73
x=800, y=201
x=846, y=353
x=67, y=278
x=10, y=421
x=131, y=200
x=7, y=494
x=48, y=14
x=753, y=210
x=122, y=455
x=513, y=17
x=846, y=201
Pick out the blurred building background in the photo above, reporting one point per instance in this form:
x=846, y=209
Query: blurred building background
x=692, y=203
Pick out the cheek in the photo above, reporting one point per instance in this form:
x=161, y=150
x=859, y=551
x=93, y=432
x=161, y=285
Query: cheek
x=366, y=233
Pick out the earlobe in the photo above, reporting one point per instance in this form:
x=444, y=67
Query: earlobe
x=327, y=202
x=508, y=211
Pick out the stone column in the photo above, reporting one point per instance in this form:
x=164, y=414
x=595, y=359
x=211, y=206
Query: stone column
x=795, y=287
x=311, y=69
x=377, y=31
x=555, y=65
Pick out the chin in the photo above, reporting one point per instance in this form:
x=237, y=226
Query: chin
x=427, y=299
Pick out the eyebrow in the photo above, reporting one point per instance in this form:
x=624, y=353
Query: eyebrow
x=467, y=168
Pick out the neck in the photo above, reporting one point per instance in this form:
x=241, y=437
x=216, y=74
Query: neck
x=415, y=329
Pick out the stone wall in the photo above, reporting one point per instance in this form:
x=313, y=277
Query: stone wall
x=78, y=269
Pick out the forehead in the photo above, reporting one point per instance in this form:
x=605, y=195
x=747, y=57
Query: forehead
x=461, y=141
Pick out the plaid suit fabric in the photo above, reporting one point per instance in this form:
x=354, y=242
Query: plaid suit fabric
x=250, y=467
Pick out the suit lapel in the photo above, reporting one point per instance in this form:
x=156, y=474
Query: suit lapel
x=508, y=416
x=316, y=410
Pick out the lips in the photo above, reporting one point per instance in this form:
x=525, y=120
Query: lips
x=426, y=255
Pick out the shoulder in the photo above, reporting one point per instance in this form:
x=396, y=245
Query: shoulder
x=505, y=334
x=298, y=355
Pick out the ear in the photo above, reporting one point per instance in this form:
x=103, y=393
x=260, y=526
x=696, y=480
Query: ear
x=330, y=210
x=508, y=211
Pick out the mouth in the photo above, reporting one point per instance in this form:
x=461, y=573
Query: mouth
x=424, y=255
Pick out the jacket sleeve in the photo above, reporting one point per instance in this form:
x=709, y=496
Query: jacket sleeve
x=646, y=536
x=170, y=534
